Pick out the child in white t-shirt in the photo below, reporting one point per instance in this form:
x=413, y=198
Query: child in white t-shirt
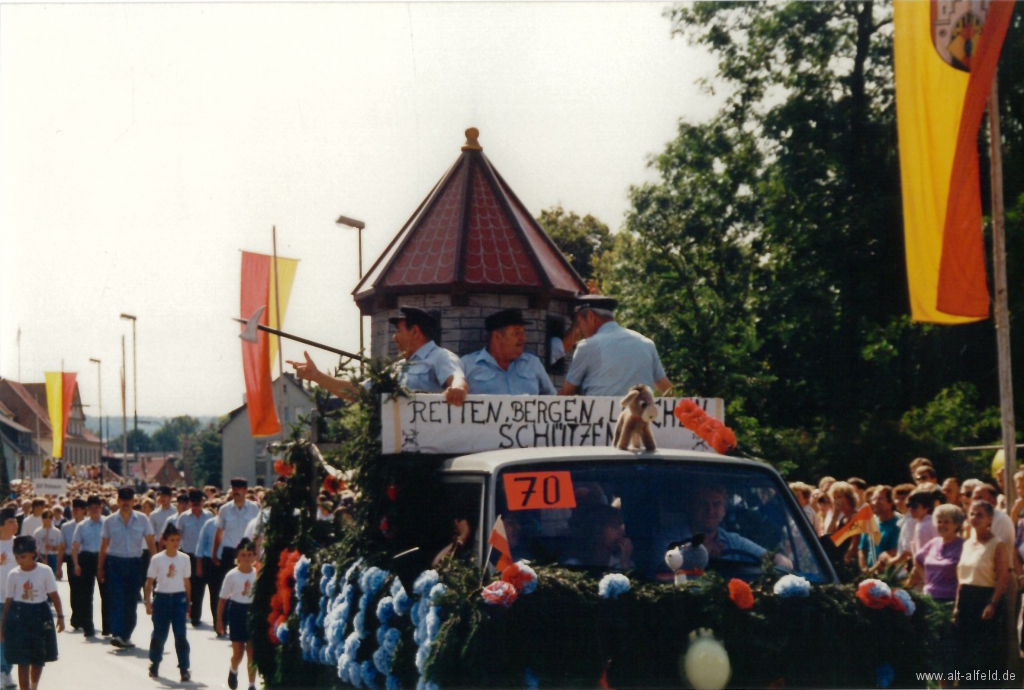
x=48, y=540
x=235, y=597
x=170, y=570
x=27, y=629
x=8, y=530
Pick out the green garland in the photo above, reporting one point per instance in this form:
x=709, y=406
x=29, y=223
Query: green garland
x=564, y=633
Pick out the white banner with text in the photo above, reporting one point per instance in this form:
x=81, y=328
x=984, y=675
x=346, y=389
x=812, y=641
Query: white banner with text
x=428, y=424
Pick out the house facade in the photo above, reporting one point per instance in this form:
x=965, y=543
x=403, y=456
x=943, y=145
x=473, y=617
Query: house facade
x=248, y=457
x=27, y=405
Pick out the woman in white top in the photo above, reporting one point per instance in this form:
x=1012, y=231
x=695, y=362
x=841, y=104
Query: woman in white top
x=982, y=572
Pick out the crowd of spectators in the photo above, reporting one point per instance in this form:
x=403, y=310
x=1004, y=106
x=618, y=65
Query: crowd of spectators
x=955, y=542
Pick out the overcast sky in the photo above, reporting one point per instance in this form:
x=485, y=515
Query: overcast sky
x=142, y=146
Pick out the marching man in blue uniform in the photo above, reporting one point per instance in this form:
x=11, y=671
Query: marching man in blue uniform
x=503, y=368
x=427, y=368
x=611, y=359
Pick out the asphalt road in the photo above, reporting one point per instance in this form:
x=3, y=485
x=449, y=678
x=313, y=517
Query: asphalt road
x=92, y=664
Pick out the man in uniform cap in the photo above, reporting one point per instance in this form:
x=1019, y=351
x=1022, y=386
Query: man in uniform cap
x=611, y=359
x=426, y=368
x=503, y=368
x=120, y=564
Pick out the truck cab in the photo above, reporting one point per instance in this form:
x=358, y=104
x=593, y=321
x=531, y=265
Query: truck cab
x=608, y=509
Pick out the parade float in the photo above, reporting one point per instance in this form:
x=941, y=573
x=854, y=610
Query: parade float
x=464, y=559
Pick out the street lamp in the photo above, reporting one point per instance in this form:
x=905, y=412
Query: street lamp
x=99, y=385
x=135, y=388
x=358, y=225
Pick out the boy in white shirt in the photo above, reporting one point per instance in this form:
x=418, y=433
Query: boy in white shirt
x=236, y=596
x=48, y=540
x=27, y=629
x=8, y=530
x=170, y=571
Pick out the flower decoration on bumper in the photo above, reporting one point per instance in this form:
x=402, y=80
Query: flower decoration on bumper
x=500, y=592
x=874, y=594
x=613, y=585
x=521, y=576
x=741, y=594
x=792, y=586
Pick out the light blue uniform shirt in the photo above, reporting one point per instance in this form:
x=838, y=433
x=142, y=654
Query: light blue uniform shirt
x=204, y=549
x=127, y=540
x=89, y=534
x=428, y=369
x=67, y=535
x=525, y=375
x=190, y=526
x=613, y=360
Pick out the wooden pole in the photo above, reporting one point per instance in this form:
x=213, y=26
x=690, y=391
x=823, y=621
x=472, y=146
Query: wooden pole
x=1002, y=310
x=280, y=351
x=1013, y=660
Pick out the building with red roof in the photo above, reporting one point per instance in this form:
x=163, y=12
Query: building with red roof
x=470, y=249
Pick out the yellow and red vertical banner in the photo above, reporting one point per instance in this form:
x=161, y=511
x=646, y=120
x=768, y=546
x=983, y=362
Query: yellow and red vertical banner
x=60, y=393
x=259, y=290
x=946, y=53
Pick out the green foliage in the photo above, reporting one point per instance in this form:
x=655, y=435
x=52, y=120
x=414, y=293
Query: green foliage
x=138, y=440
x=567, y=635
x=207, y=457
x=168, y=436
x=582, y=240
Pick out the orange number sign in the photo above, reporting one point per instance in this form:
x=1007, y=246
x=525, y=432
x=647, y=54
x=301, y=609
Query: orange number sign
x=539, y=490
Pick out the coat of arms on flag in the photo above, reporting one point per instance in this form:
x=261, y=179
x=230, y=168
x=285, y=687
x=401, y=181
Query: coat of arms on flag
x=956, y=30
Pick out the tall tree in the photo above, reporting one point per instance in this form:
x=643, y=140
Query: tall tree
x=207, y=457
x=138, y=440
x=168, y=436
x=582, y=240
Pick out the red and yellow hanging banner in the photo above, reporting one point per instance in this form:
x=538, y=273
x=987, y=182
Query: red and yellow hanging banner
x=946, y=55
x=60, y=394
x=258, y=290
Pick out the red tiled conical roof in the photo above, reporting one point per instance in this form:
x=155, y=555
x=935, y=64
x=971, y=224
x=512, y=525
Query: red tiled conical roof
x=471, y=234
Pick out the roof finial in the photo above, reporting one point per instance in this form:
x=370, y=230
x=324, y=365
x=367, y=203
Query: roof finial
x=471, y=140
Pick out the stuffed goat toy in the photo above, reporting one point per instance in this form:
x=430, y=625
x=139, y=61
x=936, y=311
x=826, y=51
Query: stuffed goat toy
x=634, y=425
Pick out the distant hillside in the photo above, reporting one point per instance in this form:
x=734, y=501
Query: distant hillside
x=112, y=425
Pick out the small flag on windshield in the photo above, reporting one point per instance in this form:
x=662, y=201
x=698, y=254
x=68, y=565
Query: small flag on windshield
x=499, y=540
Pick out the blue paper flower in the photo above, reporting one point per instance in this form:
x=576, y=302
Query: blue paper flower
x=392, y=683
x=530, y=681
x=612, y=585
x=904, y=598
x=282, y=633
x=425, y=582
x=792, y=586
x=885, y=675
x=401, y=598
x=385, y=610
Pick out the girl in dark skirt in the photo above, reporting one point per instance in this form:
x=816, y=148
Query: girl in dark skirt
x=235, y=598
x=27, y=628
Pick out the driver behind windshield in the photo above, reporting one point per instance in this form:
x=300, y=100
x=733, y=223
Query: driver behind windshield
x=706, y=511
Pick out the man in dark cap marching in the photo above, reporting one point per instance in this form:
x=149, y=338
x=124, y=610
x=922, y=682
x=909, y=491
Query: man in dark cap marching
x=426, y=367
x=611, y=359
x=120, y=564
x=503, y=368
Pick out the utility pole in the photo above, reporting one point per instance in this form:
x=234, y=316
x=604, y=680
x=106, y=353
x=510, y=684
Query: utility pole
x=135, y=388
x=124, y=412
x=358, y=225
x=99, y=392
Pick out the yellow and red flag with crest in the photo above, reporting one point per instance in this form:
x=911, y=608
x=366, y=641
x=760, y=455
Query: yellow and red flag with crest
x=946, y=53
x=60, y=393
x=862, y=522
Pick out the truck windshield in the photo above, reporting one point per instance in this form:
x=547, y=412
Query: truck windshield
x=626, y=516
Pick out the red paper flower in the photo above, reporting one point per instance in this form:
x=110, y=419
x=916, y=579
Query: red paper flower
x=522, y=577
x=741, y=594
x=332, y=484
x=705, y=427
x=874, y=594
x=500, y=592
x=392, y=492
x=283, y=468
x=385, y=528
x=281, y=602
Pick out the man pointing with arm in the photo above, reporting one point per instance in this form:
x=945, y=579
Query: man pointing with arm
x=427, y=368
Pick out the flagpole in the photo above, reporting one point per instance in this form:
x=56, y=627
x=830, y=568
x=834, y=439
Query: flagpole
x=280, y=345
x=1001, y=302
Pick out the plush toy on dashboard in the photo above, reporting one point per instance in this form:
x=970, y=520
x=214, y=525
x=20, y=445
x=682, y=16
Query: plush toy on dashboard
x=687, y=558
x=634, y=425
